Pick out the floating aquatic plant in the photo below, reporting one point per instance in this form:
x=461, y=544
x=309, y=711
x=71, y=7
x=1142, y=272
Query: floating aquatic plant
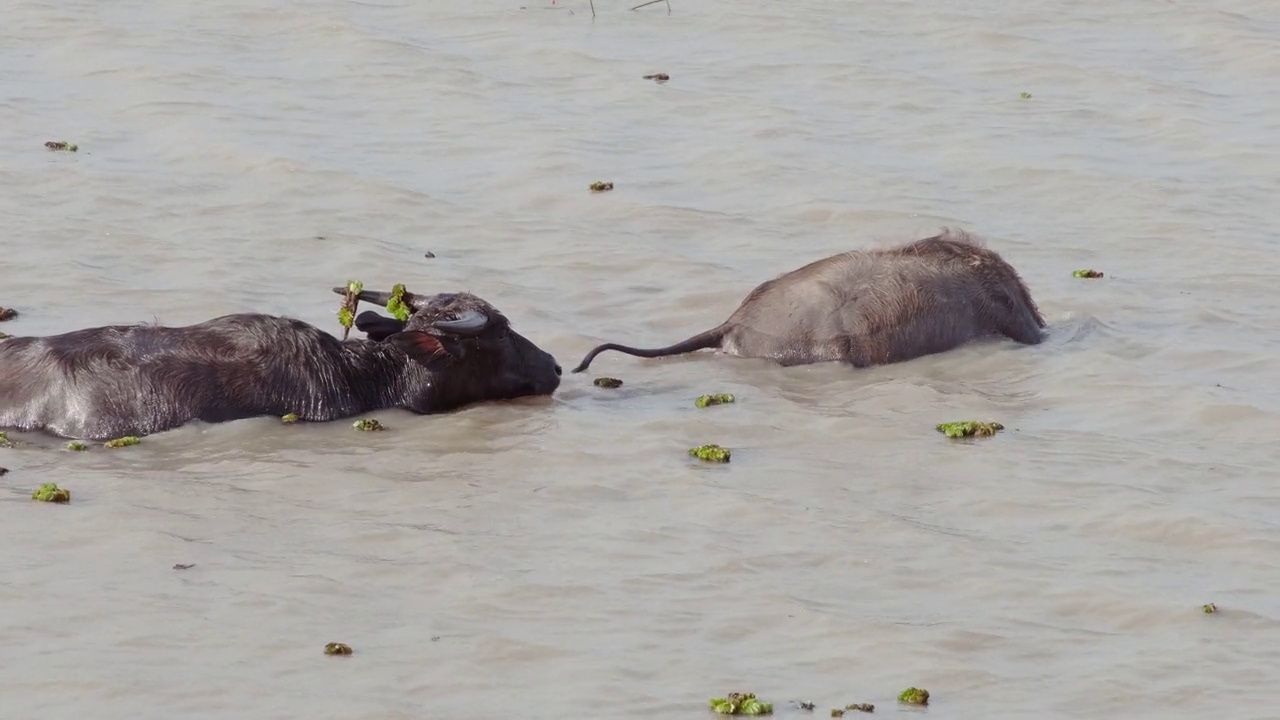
x=125, y=441
x=368, y=425
x=711, y=453
x=1210, y=608
x=715, y=399
x=62, y=145
x=289, y=419
x=50, y=492
x=969, y=428
x=1086, y=274
x=77, y=446
x=608, y=382
x=337, y=649
x=741, y=704
x=914, y=696
x=601, y=186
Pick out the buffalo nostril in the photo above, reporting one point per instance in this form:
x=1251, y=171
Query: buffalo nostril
x=558, y=371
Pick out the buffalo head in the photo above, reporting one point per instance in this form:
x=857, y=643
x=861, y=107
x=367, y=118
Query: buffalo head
x=468, y=348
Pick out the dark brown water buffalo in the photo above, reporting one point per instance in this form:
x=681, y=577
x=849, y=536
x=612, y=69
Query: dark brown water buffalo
x=107, y=382
x=873, y=307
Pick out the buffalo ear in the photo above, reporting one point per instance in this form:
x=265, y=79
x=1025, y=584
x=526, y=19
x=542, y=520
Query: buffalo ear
x=378, y=327
x=423, y=347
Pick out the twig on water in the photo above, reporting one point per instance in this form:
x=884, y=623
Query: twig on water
x=593, y=9
x=654, y=2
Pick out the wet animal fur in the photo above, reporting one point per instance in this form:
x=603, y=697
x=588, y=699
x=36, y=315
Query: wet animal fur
x=873, y=307
x=107, y=382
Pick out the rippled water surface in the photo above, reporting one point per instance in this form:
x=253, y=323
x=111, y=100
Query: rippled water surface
x=563, y=557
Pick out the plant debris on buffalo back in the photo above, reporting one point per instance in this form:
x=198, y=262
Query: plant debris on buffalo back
x=125, y=441
x=7, y=314
x=711, y=453
x=62, y=145
x=347, y=310
x=914, y=696
x=658, y=77
x=608, y=382
x=337, y=649
x=741, y=704
x=969, y=428
x=601, y=186
x=50, y=492
x=1086, y=274
x=368, y=425
x=396, y=305
x=714, y=399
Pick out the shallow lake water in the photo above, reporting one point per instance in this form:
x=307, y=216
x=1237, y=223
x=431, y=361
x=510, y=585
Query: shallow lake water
x=563, y=557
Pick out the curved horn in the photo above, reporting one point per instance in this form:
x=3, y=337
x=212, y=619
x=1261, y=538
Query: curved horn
x=470, y=322
x=376, y=297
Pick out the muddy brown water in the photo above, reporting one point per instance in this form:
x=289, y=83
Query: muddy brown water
x=563, y=557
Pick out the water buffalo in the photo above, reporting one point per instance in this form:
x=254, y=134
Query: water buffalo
x=873, y=307
x=107, y=382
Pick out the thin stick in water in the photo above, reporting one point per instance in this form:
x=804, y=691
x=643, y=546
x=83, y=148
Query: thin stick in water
x=654, y=2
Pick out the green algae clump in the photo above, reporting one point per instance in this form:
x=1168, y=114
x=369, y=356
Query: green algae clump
x=62, y=145
x=1210, y=608
x=1025, y=96
x=862, y=707
x=607, y=382
x=711, y=453
x=601, y=186
x=1086, y=274
x=125, y=441
x=914, y=696
x=337, y=649
x=969, y=428
x=741, y=704
x=368, y=425
x=837, y=712
x=350, y=301
x=397, y=306
x=289, y=419
x=77, y=446
x=715, y=399
x=50, y=492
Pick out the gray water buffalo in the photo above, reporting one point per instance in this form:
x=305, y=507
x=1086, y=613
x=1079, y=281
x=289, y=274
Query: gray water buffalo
x=873, y=307
x=108, y=382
